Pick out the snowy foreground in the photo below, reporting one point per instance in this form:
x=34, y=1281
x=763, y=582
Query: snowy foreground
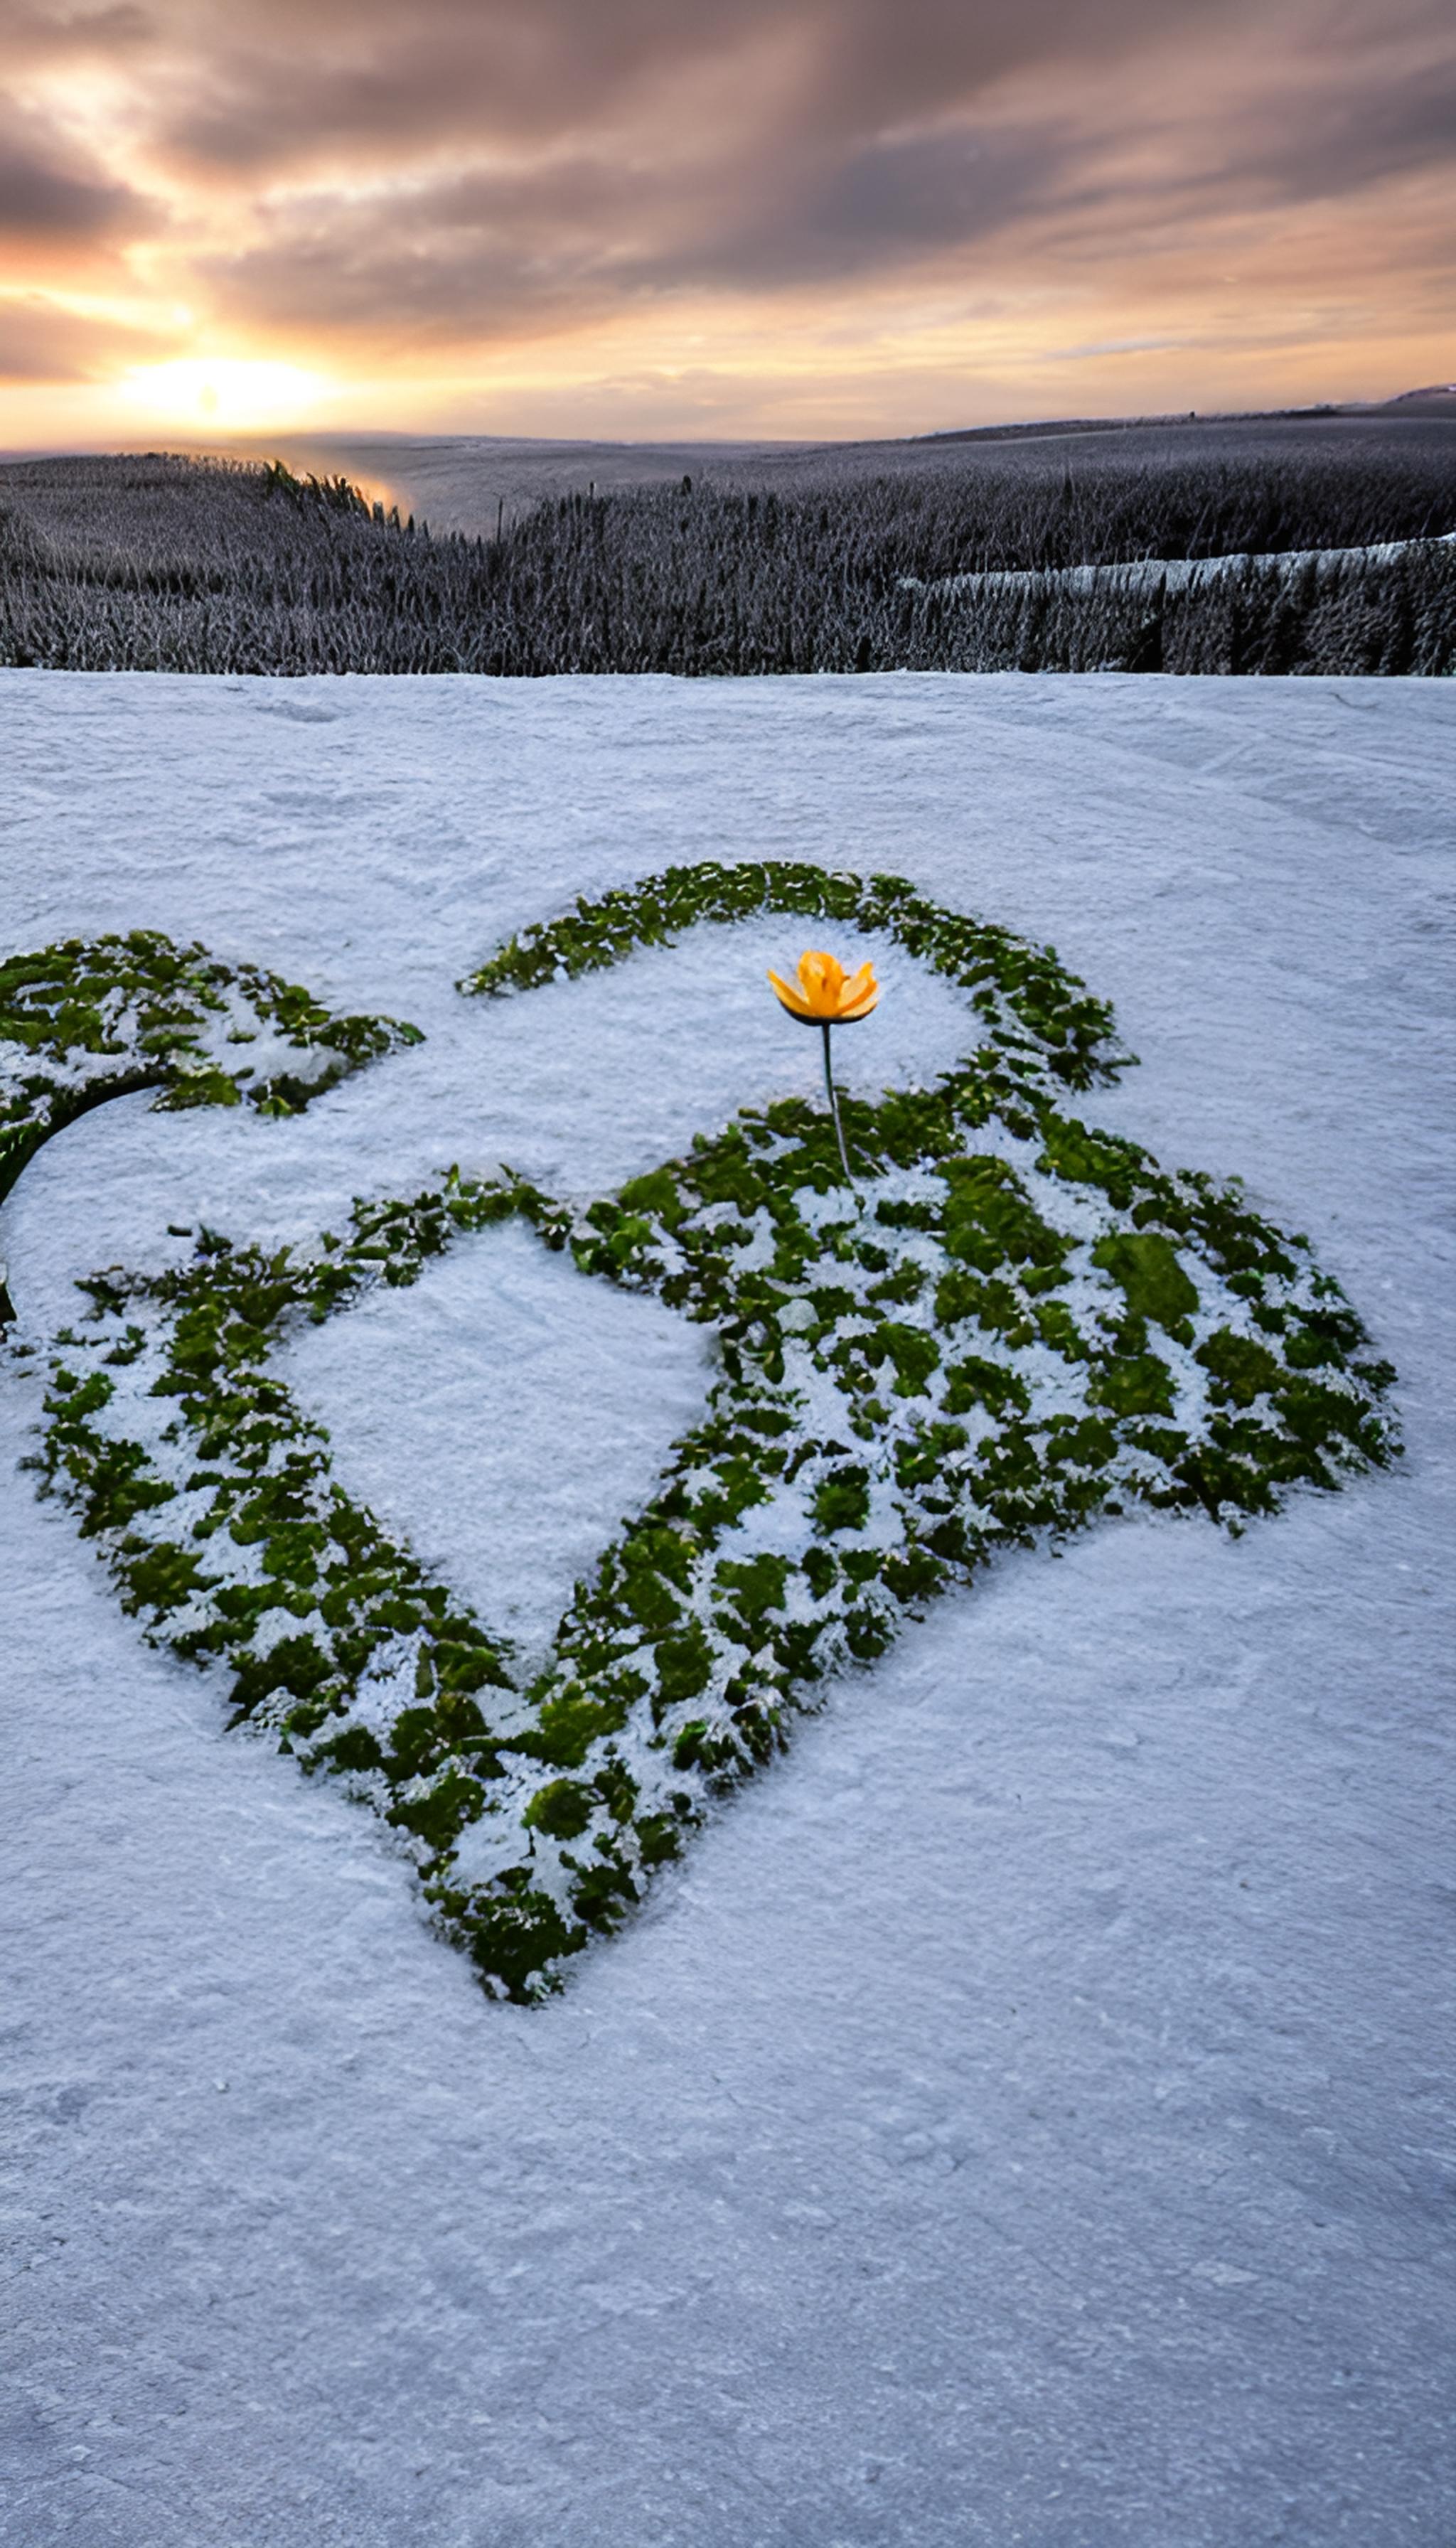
x=1022, y=2120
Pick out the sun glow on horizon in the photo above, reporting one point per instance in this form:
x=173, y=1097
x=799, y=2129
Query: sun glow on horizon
x=694, y=222
x=225, y=394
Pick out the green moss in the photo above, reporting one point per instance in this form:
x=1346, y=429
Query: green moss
x=1044, y=1008
x=922, y=1458
x=690, y=1742
x=842, y=1500
x=684, y=1664
x=1147, y=1268
x=972, y=1381
x=162, y=1576
x=821, y=1571
x=649, y=1601
x=563, y=1809
x=355, y=1749
x=755, y=1584
x=570, y=1723
x=516, y=1937
x=1085, y=1158
x=297, y=1665
x=855, y=1333
x=1057, y=1328
x=439, y=1816
x=867, y=1633
x=913, y=1351
x=1243, y=1369
x=989, y=1221
x=656, y=1195
x=659, y=1838
x=1134, y=1383
x=156, y=1015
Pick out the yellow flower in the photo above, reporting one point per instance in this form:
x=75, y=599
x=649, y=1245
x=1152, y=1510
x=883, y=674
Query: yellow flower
x=825, y=997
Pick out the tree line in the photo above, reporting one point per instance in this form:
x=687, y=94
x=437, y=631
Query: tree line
x=201, y=566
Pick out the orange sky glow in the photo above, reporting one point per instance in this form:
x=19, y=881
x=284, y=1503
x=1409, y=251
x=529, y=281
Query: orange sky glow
x=635, y=218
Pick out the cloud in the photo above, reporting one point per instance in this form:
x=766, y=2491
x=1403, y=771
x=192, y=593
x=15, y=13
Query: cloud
x=479, y=172
x=35, y=37
x=479, y=255
x=1337, y=135
x=473, y=174
x=367, y=79
x=880, y=205
x=50, y=197
x=39, y=342
x=497, y=254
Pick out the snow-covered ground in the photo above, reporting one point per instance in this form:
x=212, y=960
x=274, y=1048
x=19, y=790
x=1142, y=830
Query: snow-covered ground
x=1025, y=2123
x=1182, y=575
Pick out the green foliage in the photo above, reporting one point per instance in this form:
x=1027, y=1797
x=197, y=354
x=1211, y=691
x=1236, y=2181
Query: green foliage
x=1000, y=1337
x=93, y=1019
x=1146, y=1266
x=1021, y=992
x=563, y=1809
x=1134, y=1383
x=842, y=1500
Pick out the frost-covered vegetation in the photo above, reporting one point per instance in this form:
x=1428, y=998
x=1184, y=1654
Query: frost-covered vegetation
x=206, y=566
x=98, y=1018
x=1014, y=1324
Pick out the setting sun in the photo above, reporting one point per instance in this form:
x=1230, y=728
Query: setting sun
x=824, y=219
x=225, y=395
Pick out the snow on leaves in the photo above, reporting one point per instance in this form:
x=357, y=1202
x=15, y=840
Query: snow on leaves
x=1015, y=1325
x=96, y=1019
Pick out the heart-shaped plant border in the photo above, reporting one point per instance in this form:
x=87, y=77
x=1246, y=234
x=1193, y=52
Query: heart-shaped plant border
x=1017, y=1323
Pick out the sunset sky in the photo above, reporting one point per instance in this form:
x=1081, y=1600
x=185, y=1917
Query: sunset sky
x=638, y=217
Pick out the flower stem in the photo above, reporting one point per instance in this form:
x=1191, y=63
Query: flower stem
x=834, y=1107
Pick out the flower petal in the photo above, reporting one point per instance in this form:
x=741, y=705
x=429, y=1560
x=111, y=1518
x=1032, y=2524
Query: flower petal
x=825, y=991
x=821, y=976
x=792, y=1000
x=819, y=979
x=860, y=1008
x=862, y=987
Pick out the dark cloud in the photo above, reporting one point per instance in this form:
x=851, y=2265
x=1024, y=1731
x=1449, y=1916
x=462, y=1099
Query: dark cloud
x=39, y=343
x=271, y=93
x=880, y=205
x=500, y=256
x=482, y=255
x=828, y=140
x=33, y=38
x=1335, y=140
x=48, y=199
x=272, y=89
x=474, y=171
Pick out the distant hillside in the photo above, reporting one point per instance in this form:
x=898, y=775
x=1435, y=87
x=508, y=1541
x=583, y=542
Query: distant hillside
x=1059, y=554
x=1439, y=402
x=480, y=484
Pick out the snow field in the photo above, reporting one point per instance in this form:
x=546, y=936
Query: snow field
x=830, y=1491
x=1082, y=2183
